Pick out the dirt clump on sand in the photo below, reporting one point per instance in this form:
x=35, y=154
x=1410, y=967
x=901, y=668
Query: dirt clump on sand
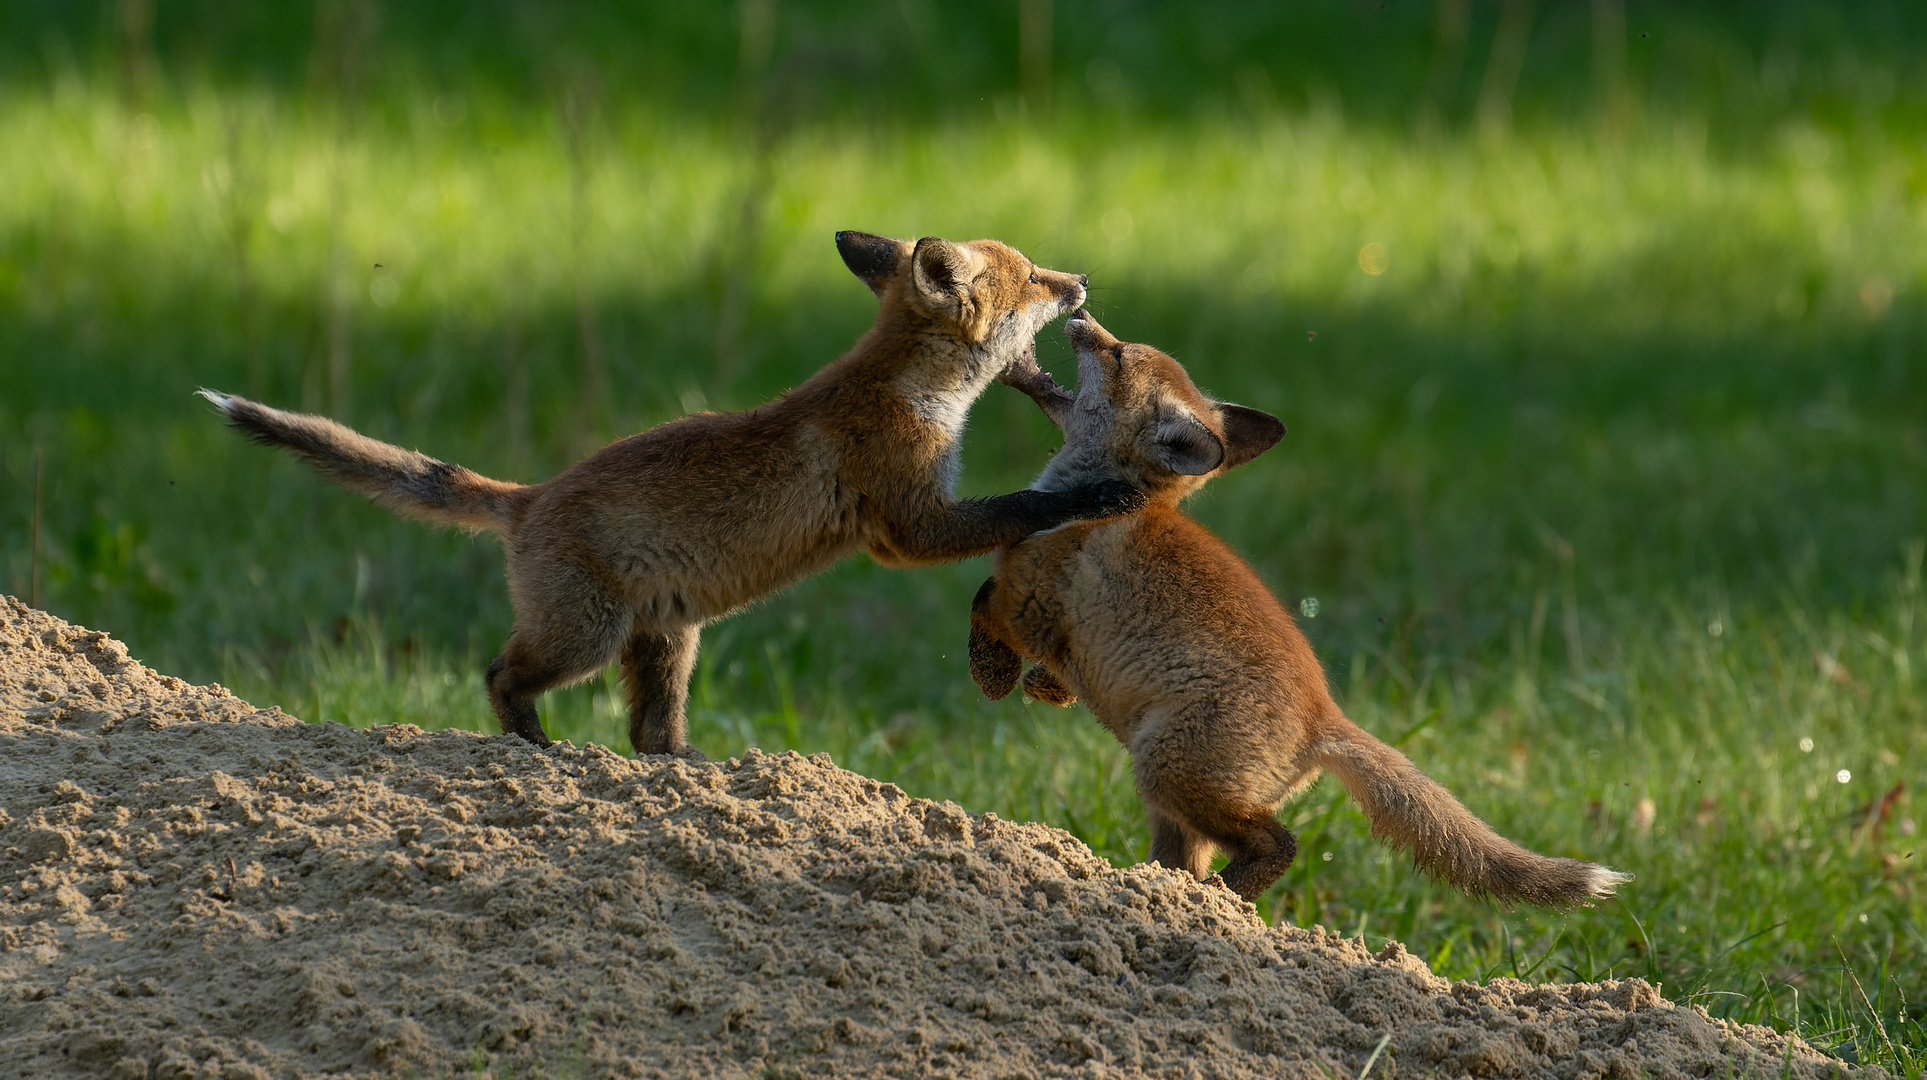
x=190, y=887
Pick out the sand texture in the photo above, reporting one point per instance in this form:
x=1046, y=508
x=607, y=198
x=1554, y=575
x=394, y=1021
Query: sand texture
x=190, y=887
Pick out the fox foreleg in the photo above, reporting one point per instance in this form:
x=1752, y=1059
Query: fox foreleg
x=513, y=682
x=1043, y=686
x=1176, y=846
x=969, y=527
x=1024, y=374
x=993, y=663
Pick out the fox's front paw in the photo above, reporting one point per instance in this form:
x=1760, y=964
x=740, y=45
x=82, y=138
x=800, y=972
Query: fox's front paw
x=1106, y=498
x=1024, y=374
x=1040, y=684
x=993, y=664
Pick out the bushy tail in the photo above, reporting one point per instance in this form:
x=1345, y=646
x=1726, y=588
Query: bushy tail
x=1411, y=811
x=414, y=485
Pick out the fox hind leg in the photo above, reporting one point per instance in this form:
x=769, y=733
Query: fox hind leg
x=1261, y=851
x=514, y=680
x=656, y=665
x=521, y=673
x=568, y=637
x=1176, y=846
x=1196, y=806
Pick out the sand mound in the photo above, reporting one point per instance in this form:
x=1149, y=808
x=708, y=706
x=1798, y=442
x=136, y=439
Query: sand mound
x=190, y=887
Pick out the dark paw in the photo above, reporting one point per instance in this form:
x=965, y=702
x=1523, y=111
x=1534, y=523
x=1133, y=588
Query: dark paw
x=1249, y=882
x=1040, y=684
x=1107, y=498
x=994, y=665
x=532, y=731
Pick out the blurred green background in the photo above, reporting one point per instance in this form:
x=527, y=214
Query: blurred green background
x=1596, y=326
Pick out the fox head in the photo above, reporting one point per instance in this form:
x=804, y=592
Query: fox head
x=987, y=294
x=1138, y=417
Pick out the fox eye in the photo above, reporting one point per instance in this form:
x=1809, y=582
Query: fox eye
x=1033, y=277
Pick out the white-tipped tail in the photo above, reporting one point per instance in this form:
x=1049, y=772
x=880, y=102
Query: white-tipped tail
x=1605, y=881
x=1411, y=811
x=404, y=481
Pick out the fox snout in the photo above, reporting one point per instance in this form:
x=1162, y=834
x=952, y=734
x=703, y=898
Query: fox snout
x=1071, y=289
x=1087, y=335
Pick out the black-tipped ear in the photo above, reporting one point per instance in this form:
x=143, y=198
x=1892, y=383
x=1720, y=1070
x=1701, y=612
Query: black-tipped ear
x=1187, y=447
x=1247, y=433
x=872, y=258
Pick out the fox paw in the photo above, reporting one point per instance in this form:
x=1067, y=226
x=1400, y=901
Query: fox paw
x=1107, y=498
x=1039, y=683
x=994, y=665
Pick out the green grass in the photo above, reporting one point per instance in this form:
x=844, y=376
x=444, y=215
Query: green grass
x=1610, y=486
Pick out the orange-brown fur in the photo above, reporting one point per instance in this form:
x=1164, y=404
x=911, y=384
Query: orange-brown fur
x=631, y=550
x=1177, y=647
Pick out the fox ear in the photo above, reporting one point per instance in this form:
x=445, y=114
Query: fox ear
x=942, y=273
x=873, y=259
x=1247, y=433
x=1187, y=447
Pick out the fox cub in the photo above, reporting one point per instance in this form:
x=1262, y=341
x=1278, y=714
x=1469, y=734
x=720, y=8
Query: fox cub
x=631, y=550
x=1178, y=648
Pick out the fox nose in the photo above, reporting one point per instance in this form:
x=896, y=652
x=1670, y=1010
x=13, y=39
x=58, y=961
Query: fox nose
x=1084, y=280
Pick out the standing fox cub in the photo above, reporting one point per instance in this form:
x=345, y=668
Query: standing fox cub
x=631, y=550
x=1172, y=641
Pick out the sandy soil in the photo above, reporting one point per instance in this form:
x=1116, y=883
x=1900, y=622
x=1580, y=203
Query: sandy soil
x=190, y=887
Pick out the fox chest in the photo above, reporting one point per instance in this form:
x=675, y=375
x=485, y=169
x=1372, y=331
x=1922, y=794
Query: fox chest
x=947, y=464
x=942, y=408
x=1118, y=637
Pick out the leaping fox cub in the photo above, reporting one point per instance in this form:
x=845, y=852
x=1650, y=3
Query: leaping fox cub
x=1177, y=647
x=631, y=550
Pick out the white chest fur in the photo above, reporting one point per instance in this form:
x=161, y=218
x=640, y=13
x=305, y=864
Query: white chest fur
x=944, y=401
x=946, y=406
